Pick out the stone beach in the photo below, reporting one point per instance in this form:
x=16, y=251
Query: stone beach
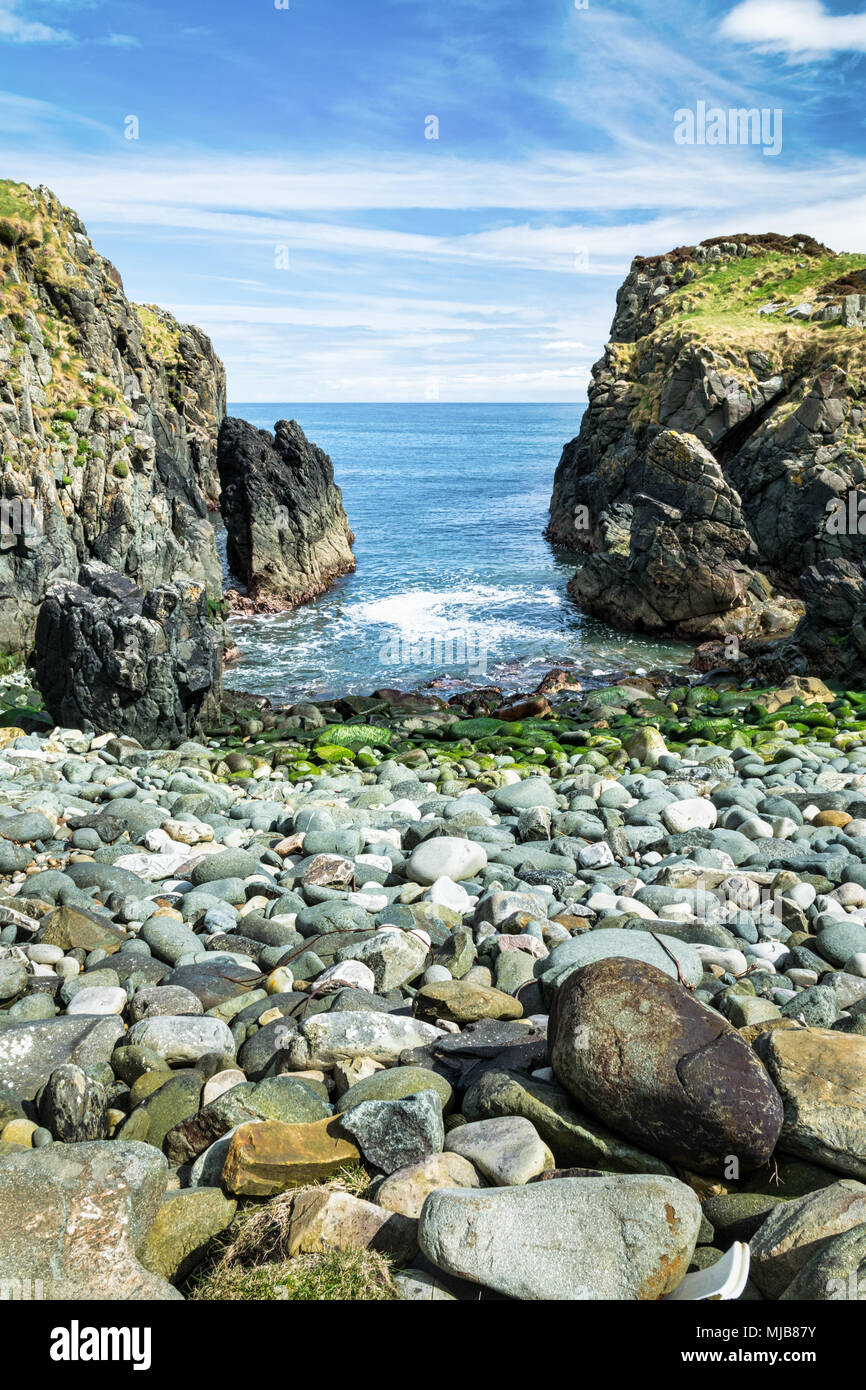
x=554, y=995
x=556, y=1006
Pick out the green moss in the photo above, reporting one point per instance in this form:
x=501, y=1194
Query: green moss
x=120, y=469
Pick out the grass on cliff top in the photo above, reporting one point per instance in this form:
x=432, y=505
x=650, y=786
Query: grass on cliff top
x=719, y=309
x=17, y=213
x=735, y=290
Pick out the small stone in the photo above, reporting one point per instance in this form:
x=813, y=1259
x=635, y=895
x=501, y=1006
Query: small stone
x=98, y=1001
x=506, y=1151
x=461, y=1001
x=182, y=1040
x=394, y=1133
x=406, y=1189
x=334, y=1220
x=445, y=856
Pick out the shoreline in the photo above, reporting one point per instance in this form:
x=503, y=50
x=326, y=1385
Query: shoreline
x=327, y=984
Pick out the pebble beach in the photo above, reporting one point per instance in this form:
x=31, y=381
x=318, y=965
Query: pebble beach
x=555, y=1005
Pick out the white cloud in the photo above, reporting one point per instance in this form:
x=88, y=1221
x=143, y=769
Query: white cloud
x=237, y=193
x=799, y=28
x=15, y=29
x=120, y=41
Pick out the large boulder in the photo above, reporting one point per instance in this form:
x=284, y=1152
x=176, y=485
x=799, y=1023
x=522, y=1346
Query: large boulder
x=111, y=659
x=288, y=535
x=690, y=560
x=821, y=1076
x=73, y=1218
x=662, y=1068
x=623, y=1237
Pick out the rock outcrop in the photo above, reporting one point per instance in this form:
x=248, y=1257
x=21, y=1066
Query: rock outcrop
x=288, y=535
x=109, y=414
x=716, y=482
x=109, y=657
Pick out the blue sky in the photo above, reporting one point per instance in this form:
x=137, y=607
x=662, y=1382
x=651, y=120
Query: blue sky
x=282, y=192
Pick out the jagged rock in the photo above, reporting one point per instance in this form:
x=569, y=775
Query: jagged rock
x=711, y=484
x=114, y=463
x=689, y=561
x=288, y=535
x=113, y=659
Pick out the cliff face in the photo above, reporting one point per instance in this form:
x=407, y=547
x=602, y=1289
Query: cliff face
x=711, y=483
x=288, y=535
x=109, y=415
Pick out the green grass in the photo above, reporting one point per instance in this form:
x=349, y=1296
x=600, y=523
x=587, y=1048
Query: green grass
x=161, y=338
x=249, y=1262
x=339, y=1276
x=733, y=295
x=15, y=201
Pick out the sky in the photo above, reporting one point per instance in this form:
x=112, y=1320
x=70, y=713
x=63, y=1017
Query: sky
x=409, y=200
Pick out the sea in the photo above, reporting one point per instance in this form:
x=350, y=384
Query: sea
x=455, y=583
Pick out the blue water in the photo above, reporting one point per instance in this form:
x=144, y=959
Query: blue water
x=454, y=578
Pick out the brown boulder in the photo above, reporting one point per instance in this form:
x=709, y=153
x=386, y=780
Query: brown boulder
x=821, y=1076
x=648, y=1059
x=269, y=1157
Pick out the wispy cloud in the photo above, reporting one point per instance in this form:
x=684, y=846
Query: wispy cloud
x=120, y=41
x=798, y=28
x=14, y=28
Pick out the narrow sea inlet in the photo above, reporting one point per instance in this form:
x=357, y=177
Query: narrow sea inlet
x=454, y=579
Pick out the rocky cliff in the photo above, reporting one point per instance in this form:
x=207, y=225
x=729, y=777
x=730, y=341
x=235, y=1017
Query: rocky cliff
x=716, y=481
x=288, y=535
x=109, y=414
